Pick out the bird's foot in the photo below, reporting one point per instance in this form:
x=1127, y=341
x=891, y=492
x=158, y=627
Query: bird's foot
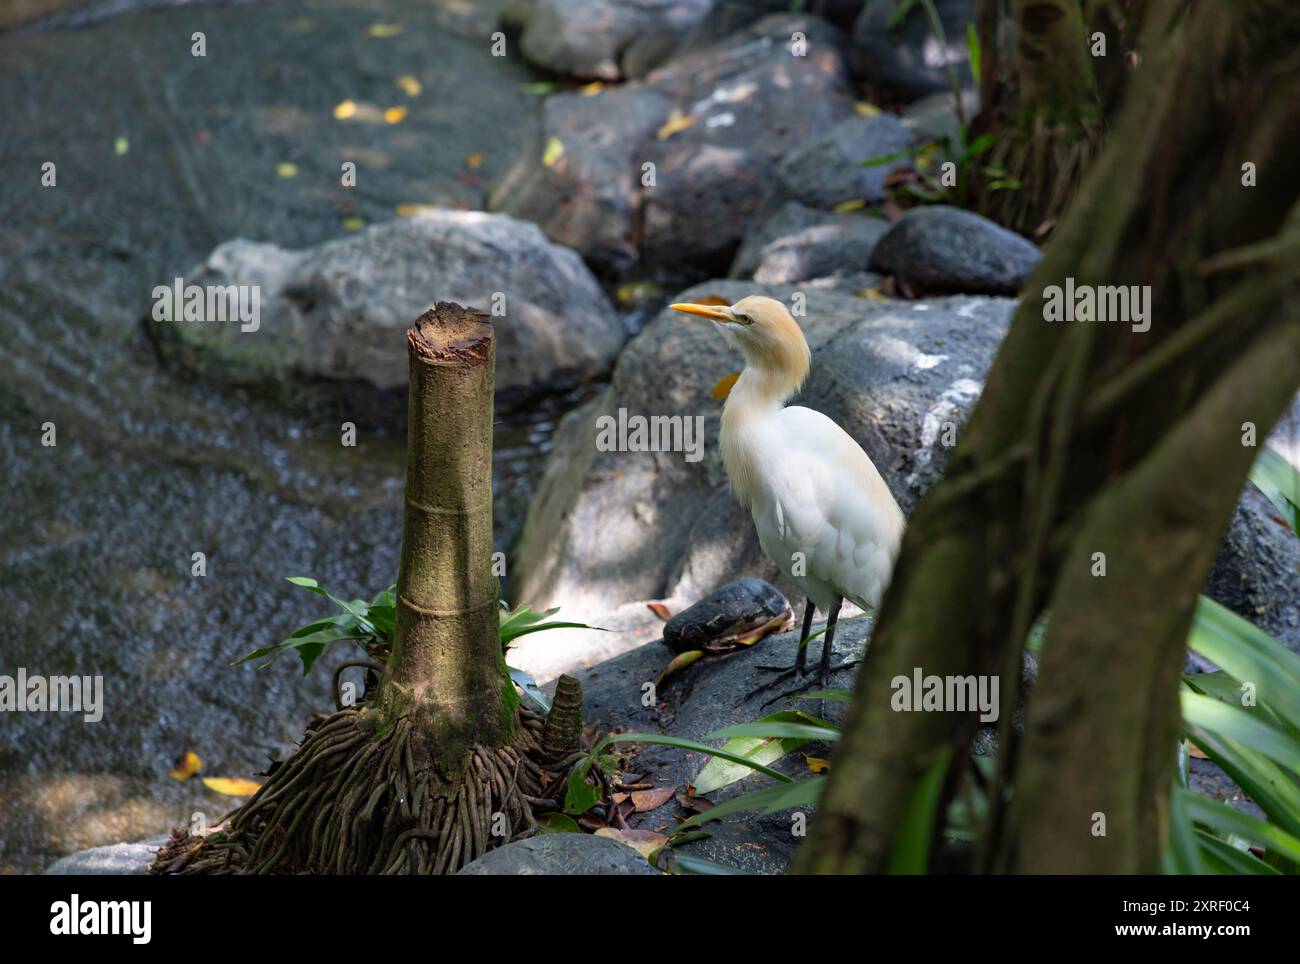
x=803, y=684
x=782, y=673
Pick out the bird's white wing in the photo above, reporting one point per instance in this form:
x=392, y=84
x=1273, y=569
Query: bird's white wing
x=824, y=499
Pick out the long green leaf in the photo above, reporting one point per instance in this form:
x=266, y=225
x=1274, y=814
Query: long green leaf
x=1225, y=820
x=1221, y=857
x=698, y=865
x=784, y=796
x=765, y=741
x=656, y=739
x=1251, y=655
x=1267, y=784
x=1244, y=727
x=1280, y=482
x=1182, y=855
x=911, y=854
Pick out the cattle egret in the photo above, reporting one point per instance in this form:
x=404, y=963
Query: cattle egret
x=822, y=512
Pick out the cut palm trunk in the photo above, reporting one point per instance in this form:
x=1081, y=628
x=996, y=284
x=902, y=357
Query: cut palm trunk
x=444, y=764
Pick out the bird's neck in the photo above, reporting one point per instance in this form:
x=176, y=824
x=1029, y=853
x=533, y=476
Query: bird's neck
x=759, y=394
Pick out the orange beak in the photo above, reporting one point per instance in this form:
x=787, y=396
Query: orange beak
x=713, y=312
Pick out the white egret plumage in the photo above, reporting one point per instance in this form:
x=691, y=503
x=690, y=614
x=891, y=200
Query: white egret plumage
x=822, y=512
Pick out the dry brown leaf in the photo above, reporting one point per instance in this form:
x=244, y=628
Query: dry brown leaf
x=694, y=804
x=644, y=842
x=660, y=610
x=645, y=800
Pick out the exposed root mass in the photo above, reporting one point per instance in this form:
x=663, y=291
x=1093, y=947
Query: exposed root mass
x=355, y=800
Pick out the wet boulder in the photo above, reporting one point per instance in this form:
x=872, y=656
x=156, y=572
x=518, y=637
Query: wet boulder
x=335, y=313
x=937, y=249
x=565, y=854
x=797, y=243
x=908, y=60
x=711, y=694
x=601, y=39
x=667, y=170
x=834, y=167
x=1256, y=571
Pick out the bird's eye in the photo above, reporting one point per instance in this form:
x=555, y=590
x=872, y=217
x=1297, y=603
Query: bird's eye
x=744, y=319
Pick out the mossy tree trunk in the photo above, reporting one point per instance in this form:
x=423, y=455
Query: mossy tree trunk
x=1091, y=437
x=446, y=659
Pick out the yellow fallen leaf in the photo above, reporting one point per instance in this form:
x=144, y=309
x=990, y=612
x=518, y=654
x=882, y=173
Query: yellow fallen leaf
x=409, y=85
x=473, y=161
x=722, y=388
x=406, y=210
x=592, y=89
x=816, y=764
x=644, y=842
x=857, y=204
x=285, y=169
x=345, y=109
x=863, y=109
x=184, y=768
x=384, y=29
x=872, y=294
x=354, y=223
x=554, y=151
x=675, y=124
x=232, y=786
x=120, y=146
x=679, y=662
x=395, y=115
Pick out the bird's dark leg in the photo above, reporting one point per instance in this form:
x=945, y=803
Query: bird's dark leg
x=802, y=653
x=828, y=644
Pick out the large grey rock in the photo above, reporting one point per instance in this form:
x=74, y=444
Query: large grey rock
x=908, y=60
x=830, y=169
x=1256, y=572
x=725, y=17
x=601, y=39
x=797, y=243
x=940, y=250
x=629, y=185
x=119, y=859
x=606, y=528
x=567, y=854
x=715, y=692
x=338, y=311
